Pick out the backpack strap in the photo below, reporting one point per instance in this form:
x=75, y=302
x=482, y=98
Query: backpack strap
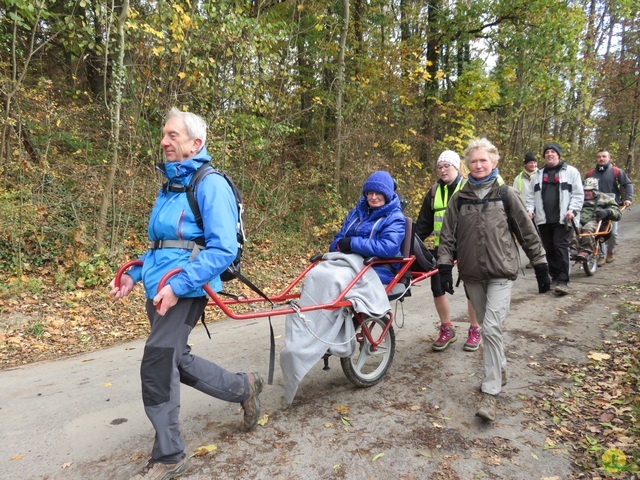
x=503, y=189
x=204, y=170
x=616, y=173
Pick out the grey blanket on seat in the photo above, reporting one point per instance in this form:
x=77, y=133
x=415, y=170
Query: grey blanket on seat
x=328, y=330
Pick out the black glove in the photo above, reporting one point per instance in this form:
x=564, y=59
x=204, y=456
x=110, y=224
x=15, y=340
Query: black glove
x=602, y=214
x=446, y=278
x=344, y=245
x=542, y=276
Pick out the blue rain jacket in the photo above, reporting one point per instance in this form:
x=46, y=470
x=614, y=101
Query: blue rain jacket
x=172, y=219
x=375, y=232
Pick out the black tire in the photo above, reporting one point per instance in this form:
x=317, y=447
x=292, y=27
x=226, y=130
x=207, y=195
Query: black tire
x=590, y=265
x=366, y=367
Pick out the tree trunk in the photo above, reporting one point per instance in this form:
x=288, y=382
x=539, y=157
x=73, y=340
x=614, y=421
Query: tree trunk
x=118, y=86
x=358, y=13
x=340, y=90
x=305, y=82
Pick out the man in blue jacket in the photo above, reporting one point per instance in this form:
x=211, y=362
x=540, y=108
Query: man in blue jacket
x=174, y=310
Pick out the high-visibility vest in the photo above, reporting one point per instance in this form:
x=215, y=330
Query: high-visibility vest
x=439, y=203
x=519, y=180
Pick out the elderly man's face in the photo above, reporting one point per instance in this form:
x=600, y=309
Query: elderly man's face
x=480, y=165
x=602, y=158
x=175, y=143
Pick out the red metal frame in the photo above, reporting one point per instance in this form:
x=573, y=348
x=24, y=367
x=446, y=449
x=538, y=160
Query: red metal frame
x=361, y=318
x=287, y=294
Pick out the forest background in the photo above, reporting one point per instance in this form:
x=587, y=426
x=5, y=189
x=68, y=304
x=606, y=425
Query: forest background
x=304, y=100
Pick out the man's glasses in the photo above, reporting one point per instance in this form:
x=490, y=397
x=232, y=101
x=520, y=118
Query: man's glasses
x=443, y=166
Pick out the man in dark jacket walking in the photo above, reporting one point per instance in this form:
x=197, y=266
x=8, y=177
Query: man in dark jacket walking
x=553, y=201
x=614, y=182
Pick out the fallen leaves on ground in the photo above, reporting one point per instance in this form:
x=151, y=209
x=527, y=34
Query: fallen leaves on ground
x=597, y=418
x=47, y=323
x=203, y=450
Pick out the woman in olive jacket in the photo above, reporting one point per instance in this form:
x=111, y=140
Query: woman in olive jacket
x=479, y=228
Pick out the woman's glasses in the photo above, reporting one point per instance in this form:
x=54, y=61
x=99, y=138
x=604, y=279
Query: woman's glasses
x=443, y=166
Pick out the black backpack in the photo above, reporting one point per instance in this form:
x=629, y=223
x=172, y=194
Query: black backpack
x=233, y=270
x=205, y=169
x=505, y=203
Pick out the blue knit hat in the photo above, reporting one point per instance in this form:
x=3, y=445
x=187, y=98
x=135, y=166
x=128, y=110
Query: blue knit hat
x=380, y=182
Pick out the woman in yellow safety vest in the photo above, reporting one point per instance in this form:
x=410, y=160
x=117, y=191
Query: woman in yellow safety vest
x=429, y=222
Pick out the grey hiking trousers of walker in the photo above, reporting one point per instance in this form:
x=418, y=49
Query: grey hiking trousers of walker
x=491, y=300
x=167, y=361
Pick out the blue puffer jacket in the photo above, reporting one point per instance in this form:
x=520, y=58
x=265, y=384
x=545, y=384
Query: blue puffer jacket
x=172, y=219
x=374, y=232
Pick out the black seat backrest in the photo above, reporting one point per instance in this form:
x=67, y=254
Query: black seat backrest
x=407, y=243
x=425, y=261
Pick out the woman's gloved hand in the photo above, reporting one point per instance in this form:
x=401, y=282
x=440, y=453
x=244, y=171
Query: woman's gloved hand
x=446, y=278
x=344, y=245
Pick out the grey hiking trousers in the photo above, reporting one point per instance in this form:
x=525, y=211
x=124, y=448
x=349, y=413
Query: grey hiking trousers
x=167, y=361
x=491, y=300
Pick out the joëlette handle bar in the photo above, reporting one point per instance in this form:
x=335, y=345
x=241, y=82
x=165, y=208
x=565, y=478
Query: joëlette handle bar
x=287, y=295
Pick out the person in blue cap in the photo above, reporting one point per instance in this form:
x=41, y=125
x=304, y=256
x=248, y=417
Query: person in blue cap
x=376, y=226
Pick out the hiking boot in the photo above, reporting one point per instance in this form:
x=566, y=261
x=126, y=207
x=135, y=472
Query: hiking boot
x=487, y=408
x=251, y=405
x=610, y=257
x=161, y=471
x=601, y=261
x=562, y=288
x=474, y=340
x=447, y=337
